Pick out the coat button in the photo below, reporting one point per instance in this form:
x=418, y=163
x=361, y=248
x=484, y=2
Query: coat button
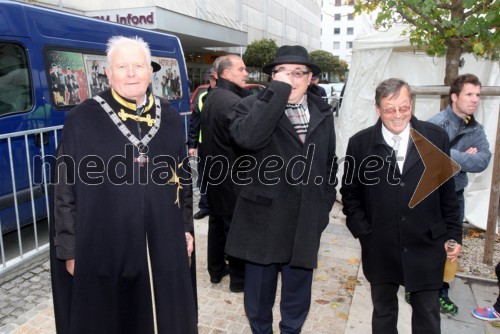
x=405, y=249
x=402, y=218
x=402, y=184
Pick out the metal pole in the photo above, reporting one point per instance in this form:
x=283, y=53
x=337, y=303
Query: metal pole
x=491, y=228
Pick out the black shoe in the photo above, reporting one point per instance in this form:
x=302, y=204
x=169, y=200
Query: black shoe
x=237, y=287
x=200, y=214
x=218, y=279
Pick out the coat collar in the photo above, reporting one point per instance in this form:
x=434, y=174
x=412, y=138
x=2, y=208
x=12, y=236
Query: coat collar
x=319, y=111
x=231, y=86
x=459, y=121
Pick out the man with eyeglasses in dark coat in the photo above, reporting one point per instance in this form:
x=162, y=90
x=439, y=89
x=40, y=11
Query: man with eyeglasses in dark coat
x=289, y=190
x=403, y=243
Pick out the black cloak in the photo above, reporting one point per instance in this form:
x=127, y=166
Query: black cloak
x=123, y=223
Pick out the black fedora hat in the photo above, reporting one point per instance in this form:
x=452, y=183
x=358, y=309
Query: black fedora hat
x=291, y=54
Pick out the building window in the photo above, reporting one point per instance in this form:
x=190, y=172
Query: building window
x=350, y=31
x=336, y=31
x=338, y=2
x=350, y=17
x=336, y=45
x=349, y=2
x=337, y=17
x=348, y=45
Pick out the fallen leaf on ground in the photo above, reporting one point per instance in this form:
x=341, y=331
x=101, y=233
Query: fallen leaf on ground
x=342, y=315
x=474, y=233
x=321, y=301
x=351, y=283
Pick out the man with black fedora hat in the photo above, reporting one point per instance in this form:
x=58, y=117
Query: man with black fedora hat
x=288, y=191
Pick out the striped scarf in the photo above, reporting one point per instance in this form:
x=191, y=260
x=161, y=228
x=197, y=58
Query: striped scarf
x=298, y=114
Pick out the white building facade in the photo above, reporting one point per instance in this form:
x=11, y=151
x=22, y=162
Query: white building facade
x=340, y=27
x=210, y=28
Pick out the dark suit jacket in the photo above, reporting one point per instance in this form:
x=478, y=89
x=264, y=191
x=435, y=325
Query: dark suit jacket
x=399, y=244
x=282, y=211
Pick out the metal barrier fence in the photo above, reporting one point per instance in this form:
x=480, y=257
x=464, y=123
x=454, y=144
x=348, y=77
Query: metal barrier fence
x=23, y=201
x=334, y=102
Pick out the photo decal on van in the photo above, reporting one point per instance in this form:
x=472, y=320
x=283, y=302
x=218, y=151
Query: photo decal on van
x=167, y=81
x=67, y=77
x=96, y=75
x=75, y=77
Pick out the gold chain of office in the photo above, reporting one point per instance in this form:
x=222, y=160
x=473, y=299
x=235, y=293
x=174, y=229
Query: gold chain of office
x=147, y=119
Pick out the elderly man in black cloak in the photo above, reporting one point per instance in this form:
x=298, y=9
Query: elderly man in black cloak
x=122, y=222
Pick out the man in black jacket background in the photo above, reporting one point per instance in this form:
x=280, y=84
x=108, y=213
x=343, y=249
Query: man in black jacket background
x=195, y=140
x=220, y=156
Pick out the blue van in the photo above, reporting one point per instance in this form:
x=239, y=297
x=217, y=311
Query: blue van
x=51, y=61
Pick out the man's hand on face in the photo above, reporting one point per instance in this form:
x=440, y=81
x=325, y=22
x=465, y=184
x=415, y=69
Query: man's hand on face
x=283, y=77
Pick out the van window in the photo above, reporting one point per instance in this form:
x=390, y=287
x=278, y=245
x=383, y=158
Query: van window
x=15, y=83
x=74, y=76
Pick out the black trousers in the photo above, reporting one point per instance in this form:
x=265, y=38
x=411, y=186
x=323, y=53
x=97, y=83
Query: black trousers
x=497, y=304
x=260, y=293
x=218, y=226
x=425, y=310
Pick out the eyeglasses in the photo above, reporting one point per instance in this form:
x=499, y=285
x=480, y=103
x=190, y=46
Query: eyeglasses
x=297, y=74
x=392, y=110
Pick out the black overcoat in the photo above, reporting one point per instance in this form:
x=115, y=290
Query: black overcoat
x=284, y=205
x=116, y=220
x=399, y=244
x=218, y=148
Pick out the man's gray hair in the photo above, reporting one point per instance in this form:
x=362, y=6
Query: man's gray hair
x=224, y=63
x=116, y=42
x=216, y=64
x=390, y=87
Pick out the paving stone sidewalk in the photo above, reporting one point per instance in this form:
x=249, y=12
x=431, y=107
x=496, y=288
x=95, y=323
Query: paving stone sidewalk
x=340, y=302
x=26, y=302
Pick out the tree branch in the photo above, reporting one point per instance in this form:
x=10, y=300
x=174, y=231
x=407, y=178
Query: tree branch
x=448, y=6
x=435, y=23
x=480, y=7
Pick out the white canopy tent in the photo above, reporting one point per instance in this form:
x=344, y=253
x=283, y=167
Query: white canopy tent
x=381, y=55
